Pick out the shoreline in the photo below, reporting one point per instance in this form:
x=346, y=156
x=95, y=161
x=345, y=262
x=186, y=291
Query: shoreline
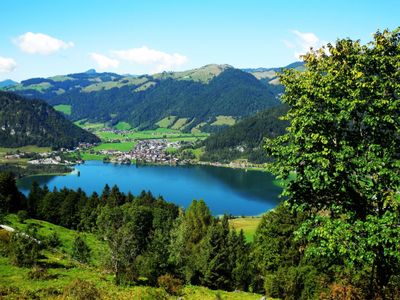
x=231, y=165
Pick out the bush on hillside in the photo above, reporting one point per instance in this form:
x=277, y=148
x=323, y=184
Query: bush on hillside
x=170, y=284
x=81, y=290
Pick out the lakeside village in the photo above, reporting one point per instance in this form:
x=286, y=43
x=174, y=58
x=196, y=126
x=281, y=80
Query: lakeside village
x=153, y=151
x=148, y=151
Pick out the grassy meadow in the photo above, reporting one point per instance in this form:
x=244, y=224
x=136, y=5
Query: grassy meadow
x=125, y=141
x=247, y=224
x=64, y=108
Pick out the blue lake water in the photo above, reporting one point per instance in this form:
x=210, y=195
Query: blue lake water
x=225, y=190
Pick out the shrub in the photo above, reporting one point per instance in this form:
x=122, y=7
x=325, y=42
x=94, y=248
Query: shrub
x=38, y=273
x=24, y=249
x=22, y=215
x=81, y=290
x=340, y=291
x=5, y=238
x=300, y=282
x=53, y=241
x=80, y=250
x=170, y=284
x=8, y=291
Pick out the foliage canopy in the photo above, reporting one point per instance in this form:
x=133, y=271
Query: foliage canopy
x=343, y=145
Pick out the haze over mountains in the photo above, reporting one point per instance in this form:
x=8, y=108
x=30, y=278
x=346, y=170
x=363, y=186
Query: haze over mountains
x=207, y=98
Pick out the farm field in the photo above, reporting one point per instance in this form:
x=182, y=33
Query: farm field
x=159, y=133
x=31, y=148
x=123, y=126
x=125, y=139
x=64, y=108
x=123, y=146
x=247, y=224
x=166, y=122
x=224, y=120
x=86, y=155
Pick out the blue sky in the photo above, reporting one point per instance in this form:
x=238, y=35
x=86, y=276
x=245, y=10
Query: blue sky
x=46, y=38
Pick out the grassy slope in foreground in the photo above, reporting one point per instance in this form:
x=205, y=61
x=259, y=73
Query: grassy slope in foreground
x=15, y=282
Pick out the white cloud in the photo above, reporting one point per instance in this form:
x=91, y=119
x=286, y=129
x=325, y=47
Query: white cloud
x=39, y=43
x=158, y=60
x=7, y=64
x=104, y=62
x=288, y=44
x=303, y=42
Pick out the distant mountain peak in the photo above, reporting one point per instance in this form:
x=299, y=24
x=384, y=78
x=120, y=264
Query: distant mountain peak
x=90, y=71
x=203, y=74
x=7, y=83
x=219, y=66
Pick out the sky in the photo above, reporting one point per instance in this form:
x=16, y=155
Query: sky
x=42, y=38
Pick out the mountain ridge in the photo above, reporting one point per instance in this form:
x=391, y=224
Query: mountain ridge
x=197, y=97
x=7, y=82
x=33, y=122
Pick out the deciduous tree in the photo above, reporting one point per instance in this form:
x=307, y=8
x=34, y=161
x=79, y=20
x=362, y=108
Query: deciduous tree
x=343, y=146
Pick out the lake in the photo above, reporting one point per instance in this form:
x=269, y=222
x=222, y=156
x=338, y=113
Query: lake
x=225, y=190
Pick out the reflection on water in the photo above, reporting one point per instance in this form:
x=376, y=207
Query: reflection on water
x=225, y=190
x=247, y=183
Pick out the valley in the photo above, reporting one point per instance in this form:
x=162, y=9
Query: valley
x=196, y=150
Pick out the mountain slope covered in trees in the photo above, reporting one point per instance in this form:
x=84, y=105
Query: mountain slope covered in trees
x=197, y=97
x=33, y=122
x=244, y=139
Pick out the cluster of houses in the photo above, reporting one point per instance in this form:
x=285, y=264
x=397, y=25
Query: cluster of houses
x=145, y=151
x=14, y=156
x=45, y=158
x=154, y=151
x=118, y=157
x=56, y=160
x=46, y=161
x=81, y=146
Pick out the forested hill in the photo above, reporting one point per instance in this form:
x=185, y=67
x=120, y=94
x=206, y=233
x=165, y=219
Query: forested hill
x=200, y=97
x=33, y=122
x=244, y=139
x=7, y=83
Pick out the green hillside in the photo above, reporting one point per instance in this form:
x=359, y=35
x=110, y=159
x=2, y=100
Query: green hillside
x=196, y=96
x=31, y=122
x=59, y=275
x=64, y=108
x=244, y=139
